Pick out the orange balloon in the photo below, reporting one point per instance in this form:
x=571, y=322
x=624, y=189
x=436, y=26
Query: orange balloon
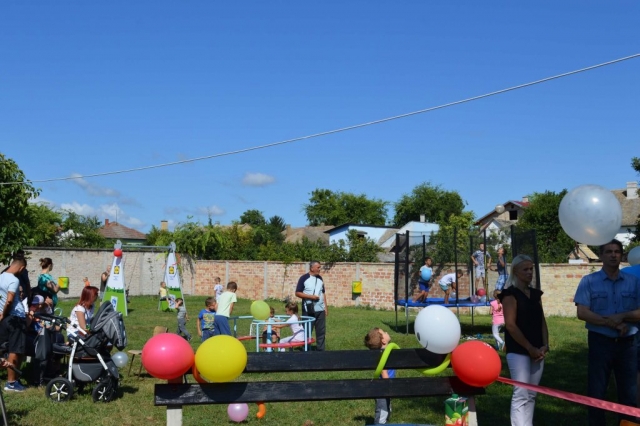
x=262, y=410
x=476, y=363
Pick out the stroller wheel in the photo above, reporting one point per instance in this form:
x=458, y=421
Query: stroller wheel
x=59, y=390
x=103, y=392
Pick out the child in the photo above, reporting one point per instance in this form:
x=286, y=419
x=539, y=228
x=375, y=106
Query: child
x=424, y=285
x=182, y=320
x=379, y=339
x=163, y=291
x=275, y=334
x=498, y=319
x=225, y=308
x=297, y=329
x=449, y=281
x=206, y=319
x=218, y=288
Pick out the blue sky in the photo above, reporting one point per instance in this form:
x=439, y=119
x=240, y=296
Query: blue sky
x=89, y=87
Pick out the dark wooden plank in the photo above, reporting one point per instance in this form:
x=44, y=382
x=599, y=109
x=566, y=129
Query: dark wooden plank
x=399, y=359
x=314, y=390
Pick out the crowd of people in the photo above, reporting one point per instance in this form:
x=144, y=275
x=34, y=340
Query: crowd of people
x=608, y=301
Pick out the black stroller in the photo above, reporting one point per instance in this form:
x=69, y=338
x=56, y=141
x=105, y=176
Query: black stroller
x=89, y=358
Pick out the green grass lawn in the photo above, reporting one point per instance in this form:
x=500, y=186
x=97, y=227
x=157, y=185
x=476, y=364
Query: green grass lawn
x=565, y=368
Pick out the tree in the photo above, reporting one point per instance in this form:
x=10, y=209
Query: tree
x=335, y=208
x=44, y=225
x=554, y=245
x=434, y=202
x=253, y=218
x=80, y=231
x=15, y=193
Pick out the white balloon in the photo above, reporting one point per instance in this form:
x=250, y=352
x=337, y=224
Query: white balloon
x=634, y=256
x=437, y=329
x=590, y=214
x=120, y=359
x=499, y=209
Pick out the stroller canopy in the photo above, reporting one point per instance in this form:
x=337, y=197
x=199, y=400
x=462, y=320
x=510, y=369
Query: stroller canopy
x=108, y=321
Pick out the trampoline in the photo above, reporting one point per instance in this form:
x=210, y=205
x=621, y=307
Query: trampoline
x=448, y=249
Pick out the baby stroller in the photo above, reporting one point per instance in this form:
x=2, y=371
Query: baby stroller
x=89, y=359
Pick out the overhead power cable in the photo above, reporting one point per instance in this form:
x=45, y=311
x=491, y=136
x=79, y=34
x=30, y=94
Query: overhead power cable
x=330, y=132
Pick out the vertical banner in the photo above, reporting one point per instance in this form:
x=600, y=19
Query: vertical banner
x=172, y=278
x=114, y=291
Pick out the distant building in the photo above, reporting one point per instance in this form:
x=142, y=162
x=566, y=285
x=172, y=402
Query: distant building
x=114, y=231
x=630, y=203
x=311, y=233
x=373, y=232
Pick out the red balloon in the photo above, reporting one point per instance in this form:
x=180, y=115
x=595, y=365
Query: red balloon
x=481, y=292
x=167, y=356
x=117, y=252
x=476, y=363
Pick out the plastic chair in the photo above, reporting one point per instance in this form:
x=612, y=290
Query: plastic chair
x=133, y=352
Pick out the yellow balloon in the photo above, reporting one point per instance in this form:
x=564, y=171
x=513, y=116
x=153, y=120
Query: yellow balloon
x=260, y=310
x=221, y=359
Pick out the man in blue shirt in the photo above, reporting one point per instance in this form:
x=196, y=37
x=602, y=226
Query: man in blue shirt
x=609, y=303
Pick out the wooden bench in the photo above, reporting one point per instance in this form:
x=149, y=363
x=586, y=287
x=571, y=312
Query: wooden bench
x=175, y=396
x=290, y=345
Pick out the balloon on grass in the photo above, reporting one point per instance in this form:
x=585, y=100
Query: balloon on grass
x=167, y=356
x=476, y=363
x=237, y=412
x=260, y=310
x=590, y=214
x=221, y=359
x=437, y=329
x=120, y=359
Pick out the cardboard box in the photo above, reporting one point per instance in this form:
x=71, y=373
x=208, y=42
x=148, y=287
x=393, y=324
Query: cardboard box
x=456, y=411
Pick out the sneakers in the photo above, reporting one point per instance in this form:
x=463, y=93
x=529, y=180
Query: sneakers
x=14, y=387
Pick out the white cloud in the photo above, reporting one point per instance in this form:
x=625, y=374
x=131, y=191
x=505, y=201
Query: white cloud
x=94, y=190
x=105, y=211
x=257, y=179
x=211, y=210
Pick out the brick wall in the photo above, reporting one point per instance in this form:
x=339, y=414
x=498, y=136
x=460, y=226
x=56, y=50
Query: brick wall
x=260, y=280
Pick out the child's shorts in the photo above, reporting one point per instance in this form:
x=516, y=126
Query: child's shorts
x=424, y=286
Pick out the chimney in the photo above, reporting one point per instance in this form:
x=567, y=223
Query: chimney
x=164, y=225
x=632, y=190
x=525, y=199
x=106, y=222
x=422, y=218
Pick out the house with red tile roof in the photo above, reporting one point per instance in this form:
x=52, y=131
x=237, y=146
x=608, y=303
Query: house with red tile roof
x=113, y=231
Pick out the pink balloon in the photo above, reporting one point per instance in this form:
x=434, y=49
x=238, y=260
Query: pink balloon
x=167, y=356
x=238, y=412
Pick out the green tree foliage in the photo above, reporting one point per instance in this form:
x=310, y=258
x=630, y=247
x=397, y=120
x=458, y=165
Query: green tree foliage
x=14, y=207
x=80, y=231
x=452, y=239
x=554, y=245
x=361, y=248
x=434, y=202
x=237, y=242
x=335, y=208
x=44, y=224
x=253, y=218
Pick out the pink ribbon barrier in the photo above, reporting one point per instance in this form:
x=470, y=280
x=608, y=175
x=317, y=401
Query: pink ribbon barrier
x=574, y=397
